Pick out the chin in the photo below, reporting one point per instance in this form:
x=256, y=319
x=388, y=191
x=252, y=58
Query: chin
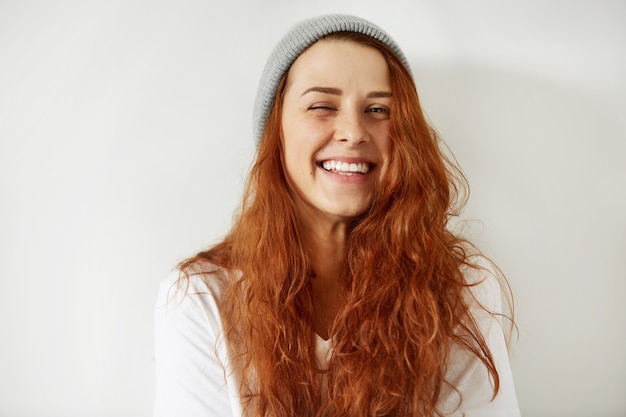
x=350, y=213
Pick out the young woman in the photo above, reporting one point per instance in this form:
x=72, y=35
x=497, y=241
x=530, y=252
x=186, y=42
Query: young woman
x=340, y=290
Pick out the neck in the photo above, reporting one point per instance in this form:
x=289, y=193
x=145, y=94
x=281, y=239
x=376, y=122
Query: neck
x=325, y=244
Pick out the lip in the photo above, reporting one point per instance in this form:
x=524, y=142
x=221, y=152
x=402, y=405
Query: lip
x=347, y=159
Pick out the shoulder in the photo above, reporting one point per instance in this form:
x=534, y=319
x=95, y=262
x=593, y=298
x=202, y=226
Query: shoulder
x=484, y=285
x=192, y=296
x=198, y=279
x=190, y=356
x=470, y=392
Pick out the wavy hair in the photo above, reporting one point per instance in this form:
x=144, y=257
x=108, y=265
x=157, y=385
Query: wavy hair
x=404, y=309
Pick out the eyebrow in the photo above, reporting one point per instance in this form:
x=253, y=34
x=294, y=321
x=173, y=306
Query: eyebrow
x=338, y=92
x=379, y=94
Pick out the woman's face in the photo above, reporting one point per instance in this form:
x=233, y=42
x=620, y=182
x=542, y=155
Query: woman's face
x=335, y=128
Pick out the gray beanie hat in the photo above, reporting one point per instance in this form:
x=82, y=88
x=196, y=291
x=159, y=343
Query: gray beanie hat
x=295, y=42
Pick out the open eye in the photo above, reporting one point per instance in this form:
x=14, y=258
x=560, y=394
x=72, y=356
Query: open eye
x=378, y=111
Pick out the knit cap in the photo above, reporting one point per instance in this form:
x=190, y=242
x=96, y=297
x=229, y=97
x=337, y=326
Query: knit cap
x=301, y=36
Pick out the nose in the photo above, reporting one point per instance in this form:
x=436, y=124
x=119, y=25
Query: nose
x=350, y=128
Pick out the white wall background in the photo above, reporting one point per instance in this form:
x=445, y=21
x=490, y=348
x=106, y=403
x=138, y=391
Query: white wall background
x=125, y=134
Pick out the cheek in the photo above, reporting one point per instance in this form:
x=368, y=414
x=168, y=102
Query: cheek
x=296, y=159
x=383, y=141
x=302, y=139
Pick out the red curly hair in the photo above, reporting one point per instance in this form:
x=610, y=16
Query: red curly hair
x=404, y=306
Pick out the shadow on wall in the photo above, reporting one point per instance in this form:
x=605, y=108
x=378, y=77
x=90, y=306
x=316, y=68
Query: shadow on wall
x=551, y=155
x=545, y=164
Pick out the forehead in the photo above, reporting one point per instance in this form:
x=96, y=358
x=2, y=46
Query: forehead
x=339, y=60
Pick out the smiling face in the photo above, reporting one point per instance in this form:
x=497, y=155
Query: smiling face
x=335, y=128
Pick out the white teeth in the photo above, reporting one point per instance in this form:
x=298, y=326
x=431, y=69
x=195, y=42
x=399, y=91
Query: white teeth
x=344, y=167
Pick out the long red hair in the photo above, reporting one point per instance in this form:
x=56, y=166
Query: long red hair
x=404, y=307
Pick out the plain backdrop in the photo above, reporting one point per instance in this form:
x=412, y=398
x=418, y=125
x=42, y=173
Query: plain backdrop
x=125, y=135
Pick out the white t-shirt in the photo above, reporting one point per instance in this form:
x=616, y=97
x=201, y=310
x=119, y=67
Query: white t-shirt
x=193, y=378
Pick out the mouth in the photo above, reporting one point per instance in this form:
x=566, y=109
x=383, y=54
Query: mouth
x=346, y=168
